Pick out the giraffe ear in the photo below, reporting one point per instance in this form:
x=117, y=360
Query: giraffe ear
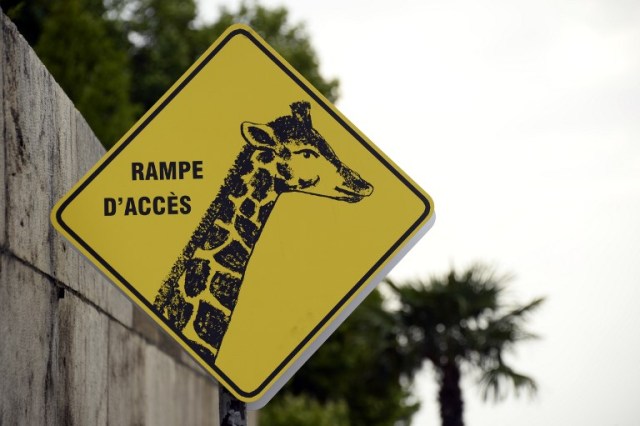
x=260, y=136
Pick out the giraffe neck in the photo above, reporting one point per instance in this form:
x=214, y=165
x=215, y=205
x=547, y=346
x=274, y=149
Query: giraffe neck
x=202, y=289
x=235, y=219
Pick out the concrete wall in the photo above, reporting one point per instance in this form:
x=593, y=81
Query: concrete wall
x=73, y=349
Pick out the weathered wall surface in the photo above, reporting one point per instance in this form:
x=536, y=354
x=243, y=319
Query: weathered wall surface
x=73, y=349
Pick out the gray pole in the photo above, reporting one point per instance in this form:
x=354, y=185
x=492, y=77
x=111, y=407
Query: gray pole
x=232, y=411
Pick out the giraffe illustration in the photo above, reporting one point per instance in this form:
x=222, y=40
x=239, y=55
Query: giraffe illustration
x=200, y=293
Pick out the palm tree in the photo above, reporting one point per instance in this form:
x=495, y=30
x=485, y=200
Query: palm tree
x=460, y=320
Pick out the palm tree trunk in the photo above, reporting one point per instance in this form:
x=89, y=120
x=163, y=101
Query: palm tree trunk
x=450, y=395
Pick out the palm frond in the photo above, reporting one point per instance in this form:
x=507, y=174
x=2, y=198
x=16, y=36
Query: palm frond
x=496, y=383
x=462, y=317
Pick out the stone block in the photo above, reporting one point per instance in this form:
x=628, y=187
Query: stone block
x=90, y=150
x=193, y=364
x=126, y=376
x=83, y=350
x=177, y=394
x=199, y=404
x=30, y=129
x=163, y=397
x=3, y=220
x=148, y=386
x=145, y=325
x=93, y=283
x=27, y=353
x=100, y=290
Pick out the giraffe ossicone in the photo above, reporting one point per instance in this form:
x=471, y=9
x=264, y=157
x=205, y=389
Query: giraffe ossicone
x=198, y=296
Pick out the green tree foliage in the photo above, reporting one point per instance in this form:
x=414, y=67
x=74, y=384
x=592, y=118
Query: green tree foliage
x=98, y=81
x=460, y=319
x=83, y=51
x=165, y=44
x=28, y=15
x=361, y=364
x=290, y=41
x=300, y=410
x=115, y=58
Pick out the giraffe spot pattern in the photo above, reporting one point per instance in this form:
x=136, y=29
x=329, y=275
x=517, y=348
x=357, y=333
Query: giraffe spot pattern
x=225, y=288
x=284, y=170
x=216, y=235
x=248, y=208
x=225, y=210
x=305, y=183
x=280, y=186
x=247, y=230
x=210, y=324
x=233, y=256
x=244, y=165
x=237, y=188
x=179, y=311
x=264, y=212
x=204, y=352
x=196, y=276
x=285, y=154
x=261, y=183
x=265, y=157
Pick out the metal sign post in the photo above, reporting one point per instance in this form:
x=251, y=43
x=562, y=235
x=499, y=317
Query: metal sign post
x=233, y=412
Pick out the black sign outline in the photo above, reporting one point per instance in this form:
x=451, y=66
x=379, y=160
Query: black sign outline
x=156, y=109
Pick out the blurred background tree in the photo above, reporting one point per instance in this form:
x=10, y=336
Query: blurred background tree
x=290, y=41
x=87, y=55
x=290, y=410
x=458, y=320
x=115, y=58
x=164, y=44
x=364, y=365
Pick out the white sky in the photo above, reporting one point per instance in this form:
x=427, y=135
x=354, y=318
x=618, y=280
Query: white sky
x=522, y=120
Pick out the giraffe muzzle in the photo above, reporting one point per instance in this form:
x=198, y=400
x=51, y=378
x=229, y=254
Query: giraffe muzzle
x=354, y=187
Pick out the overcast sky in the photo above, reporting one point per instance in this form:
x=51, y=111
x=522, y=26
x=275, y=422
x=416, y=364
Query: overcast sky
x=522, y=120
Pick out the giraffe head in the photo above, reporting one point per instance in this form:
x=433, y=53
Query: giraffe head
x=304, y=161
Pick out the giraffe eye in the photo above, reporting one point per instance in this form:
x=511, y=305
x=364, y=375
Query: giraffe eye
x=307, y=153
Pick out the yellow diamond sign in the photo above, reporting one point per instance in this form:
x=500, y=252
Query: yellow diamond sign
x=245, y=214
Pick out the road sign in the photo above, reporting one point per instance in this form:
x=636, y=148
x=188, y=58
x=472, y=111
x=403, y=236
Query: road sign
x=245, y=214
